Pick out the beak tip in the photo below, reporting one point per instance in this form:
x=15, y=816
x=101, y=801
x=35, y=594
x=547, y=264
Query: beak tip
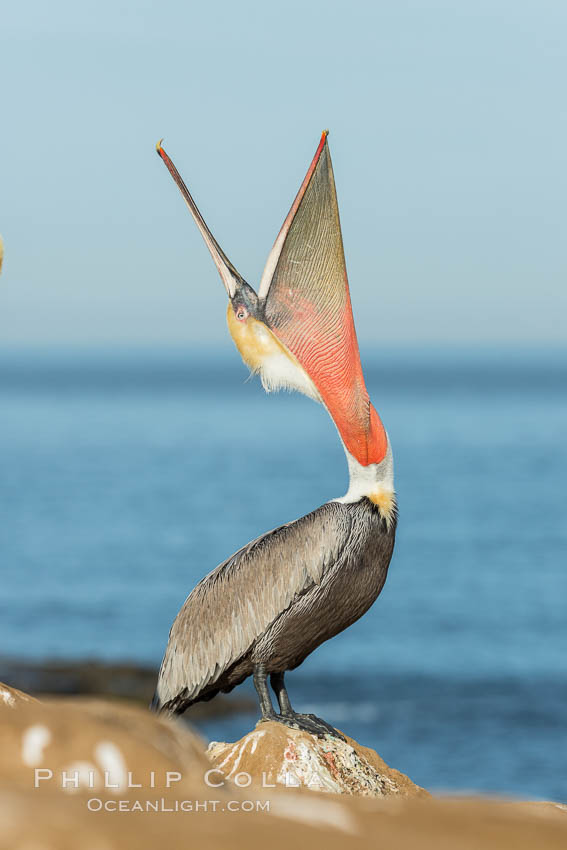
x=158, y=147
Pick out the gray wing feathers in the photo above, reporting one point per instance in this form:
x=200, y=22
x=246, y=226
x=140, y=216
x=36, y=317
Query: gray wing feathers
x=234, y=605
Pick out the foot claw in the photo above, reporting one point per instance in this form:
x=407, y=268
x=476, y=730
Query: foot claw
x=321, y=725
x=309, y=723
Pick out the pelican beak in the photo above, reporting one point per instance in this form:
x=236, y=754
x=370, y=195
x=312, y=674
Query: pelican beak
x=230, y=277
x=305, y=298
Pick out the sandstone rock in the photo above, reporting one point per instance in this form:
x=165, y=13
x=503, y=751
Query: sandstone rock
x=91, y=745
x=295, y=819
x=274, y=754
x=12, y=697
x=378, y=807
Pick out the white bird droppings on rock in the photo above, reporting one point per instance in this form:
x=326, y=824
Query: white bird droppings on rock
x=7, y=698
x=111, y=760
x=255, y=741
x=301, y=765
x=34, y=740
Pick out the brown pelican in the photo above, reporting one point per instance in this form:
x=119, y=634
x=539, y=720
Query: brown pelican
x=266, y=608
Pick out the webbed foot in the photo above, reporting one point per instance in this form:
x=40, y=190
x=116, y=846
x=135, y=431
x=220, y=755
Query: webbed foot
x=306, y=723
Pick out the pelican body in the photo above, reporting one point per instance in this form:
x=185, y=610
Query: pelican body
x=267, y=607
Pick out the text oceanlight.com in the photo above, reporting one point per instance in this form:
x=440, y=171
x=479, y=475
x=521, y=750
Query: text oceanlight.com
x=95, y=804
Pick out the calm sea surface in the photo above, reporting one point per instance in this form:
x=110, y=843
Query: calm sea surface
x=126, y=477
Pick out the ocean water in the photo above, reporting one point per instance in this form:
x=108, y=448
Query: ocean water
x=127, y=476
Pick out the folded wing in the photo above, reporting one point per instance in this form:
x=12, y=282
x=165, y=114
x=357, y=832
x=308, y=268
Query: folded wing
x=234, y=605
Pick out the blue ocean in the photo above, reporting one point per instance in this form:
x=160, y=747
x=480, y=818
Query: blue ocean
x=127, y=475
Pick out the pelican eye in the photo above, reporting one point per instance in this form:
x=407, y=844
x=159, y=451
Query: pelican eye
x=241, y=313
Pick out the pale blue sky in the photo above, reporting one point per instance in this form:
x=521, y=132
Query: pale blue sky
x=448, y=129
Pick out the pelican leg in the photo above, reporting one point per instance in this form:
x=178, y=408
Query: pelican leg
x=306, y=722
x=277, y=683
x=261, y=686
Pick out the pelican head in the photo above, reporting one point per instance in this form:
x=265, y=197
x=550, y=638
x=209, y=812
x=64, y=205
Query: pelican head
x=297, y=332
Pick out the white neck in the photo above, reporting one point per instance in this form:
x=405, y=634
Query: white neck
x=369, y=480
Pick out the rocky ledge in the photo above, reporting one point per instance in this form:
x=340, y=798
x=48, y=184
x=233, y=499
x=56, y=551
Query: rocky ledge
x=86, y=774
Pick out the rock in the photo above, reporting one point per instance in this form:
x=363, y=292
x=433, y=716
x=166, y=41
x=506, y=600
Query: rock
x=12, y=697
x=295, y=819
x=274, y=754
x=378, y=807
x=91, y=745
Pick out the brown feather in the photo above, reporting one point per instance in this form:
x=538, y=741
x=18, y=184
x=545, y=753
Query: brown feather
x=275, y=600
